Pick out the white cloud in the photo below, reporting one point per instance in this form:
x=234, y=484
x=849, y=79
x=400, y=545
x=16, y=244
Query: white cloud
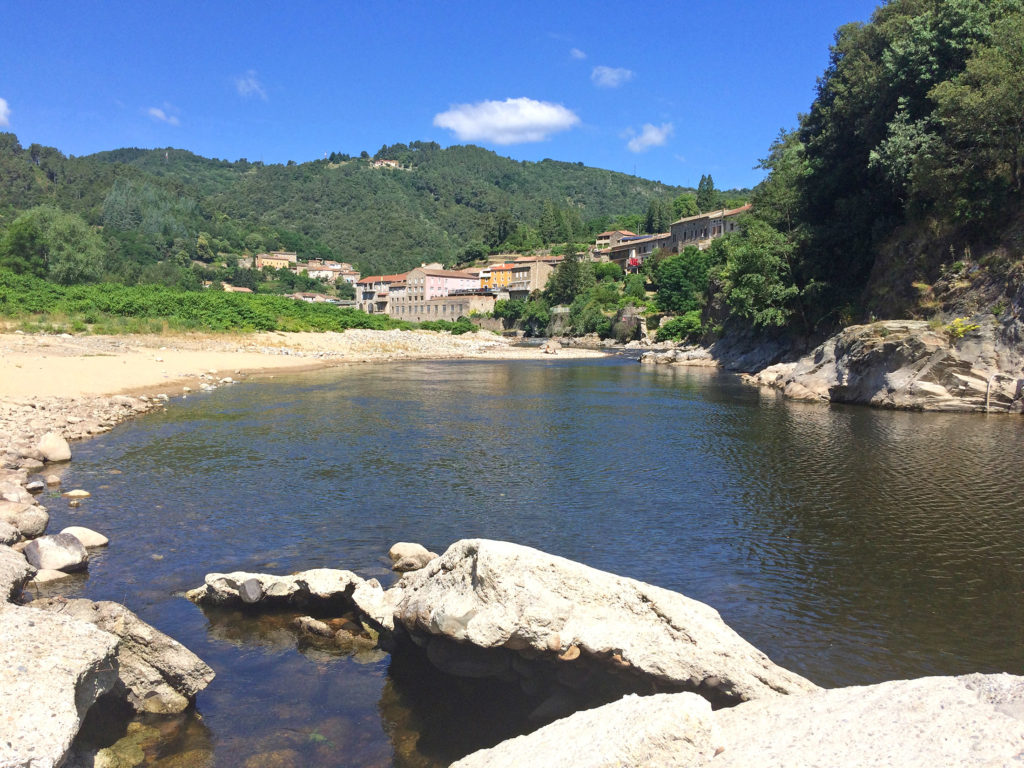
x=249, y=85
x=163, y=115
x=650, y=136
x=5, y=113
x=610, y=77
x=513, y=121
x=576, y=53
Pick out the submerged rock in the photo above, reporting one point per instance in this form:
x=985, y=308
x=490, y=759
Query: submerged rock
x=497, y=595
x=974, y=720
x=52, y=669
x=159, y=675
x=406, y=556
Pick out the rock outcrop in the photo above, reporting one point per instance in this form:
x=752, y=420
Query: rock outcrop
x=318, y=587
x=15, y=571
x=907, y=364
x=975, y=720
x=157, y=674
x=52, y=669
x=29, y=519
x=523, y=606
x=406, y=556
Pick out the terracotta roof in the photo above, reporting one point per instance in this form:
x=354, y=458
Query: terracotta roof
x=448, y=273
x=617, y=232
x=720, y=213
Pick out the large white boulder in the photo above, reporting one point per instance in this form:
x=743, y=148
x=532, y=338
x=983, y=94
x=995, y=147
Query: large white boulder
x=52, y=669
x=53, y=447
x=498, y=595
x=87, y=536
x=970, y=721
x=158, y=673
x=60, y=552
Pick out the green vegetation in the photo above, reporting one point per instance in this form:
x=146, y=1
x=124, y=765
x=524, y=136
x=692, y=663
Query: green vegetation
x=108, y=307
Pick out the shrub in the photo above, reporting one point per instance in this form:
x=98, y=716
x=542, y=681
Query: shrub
x=681, y=328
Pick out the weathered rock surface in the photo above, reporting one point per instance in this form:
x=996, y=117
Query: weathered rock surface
x=498, y=595
x=53, y=447
x=159, y=674
x=906, y=364
x=87, y=536
x=15, y=571
x=30, y=519
x=301, y=590
x=60, y=552
x=975, y=720
x=52, y=669
x=666, y=730
x=8, y=533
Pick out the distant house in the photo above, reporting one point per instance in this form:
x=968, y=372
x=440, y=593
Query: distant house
x=373, y=292
x=236, y=289
x=386, y=164
x=276, y=259
x=608, y=239
x=630, y=252
x=700, y=230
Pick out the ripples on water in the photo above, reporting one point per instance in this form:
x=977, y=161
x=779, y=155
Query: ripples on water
x=852, y=545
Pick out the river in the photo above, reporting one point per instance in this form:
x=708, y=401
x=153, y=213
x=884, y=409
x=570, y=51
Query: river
x=852, y=545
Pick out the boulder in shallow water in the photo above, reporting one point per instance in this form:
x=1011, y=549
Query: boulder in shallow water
x=315, y=587
x=494, y=594
x=87, y=536
x=60, y=552
x=159, y=674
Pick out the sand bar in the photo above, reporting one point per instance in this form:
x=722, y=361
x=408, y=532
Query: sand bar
x=37, y=365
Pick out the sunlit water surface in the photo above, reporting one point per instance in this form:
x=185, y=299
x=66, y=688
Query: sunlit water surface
x=852, y=545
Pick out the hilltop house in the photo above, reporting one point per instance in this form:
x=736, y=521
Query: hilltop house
x=608, y=239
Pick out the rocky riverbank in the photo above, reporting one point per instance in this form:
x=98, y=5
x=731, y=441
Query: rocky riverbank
x=581, y=644
x=966, y=366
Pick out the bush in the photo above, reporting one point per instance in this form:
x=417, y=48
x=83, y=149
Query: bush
x=681, y=328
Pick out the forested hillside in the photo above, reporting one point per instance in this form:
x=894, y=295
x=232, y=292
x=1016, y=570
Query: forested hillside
x=157, y=210
x=900, y=191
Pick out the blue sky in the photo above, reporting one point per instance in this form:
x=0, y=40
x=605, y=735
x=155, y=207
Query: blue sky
x=667, y=90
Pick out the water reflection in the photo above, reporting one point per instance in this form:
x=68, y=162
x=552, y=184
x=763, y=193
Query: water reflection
x=852, y=545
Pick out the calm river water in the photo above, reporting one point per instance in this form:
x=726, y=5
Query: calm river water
x=852, y=545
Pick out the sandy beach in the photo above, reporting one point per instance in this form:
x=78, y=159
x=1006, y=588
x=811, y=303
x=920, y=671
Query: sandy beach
x=33, y=365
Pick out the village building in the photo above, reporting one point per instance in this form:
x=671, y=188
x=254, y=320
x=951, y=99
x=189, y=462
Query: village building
x=499, y=276
x=630, y=252
x=528, y=275
x=452, y=307
x=700, y=230
x=373, y=292
x=276, y=259
x=608, y=239
x=425, y=293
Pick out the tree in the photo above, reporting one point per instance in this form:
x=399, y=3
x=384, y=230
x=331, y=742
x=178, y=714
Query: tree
x=707, y=197
x=571, y=278
x=684, y=206
x=47, y=242
x=757, y=282
x=658, y=218
x=777, y=199
x=682, y=280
